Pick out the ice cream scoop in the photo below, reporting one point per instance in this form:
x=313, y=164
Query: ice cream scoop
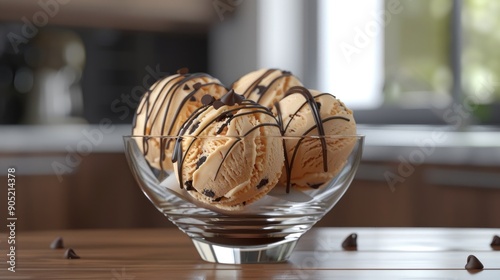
x=265, y=86
x=314, y=161
x=228, y=154
x=165, y=107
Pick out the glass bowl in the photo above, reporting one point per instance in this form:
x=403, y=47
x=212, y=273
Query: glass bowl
x=266, y=230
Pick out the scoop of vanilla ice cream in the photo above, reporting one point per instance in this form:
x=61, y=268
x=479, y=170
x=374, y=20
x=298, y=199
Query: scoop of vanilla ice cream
x=164, y=108
x=230, y=157
x=265, y=86
x=314, y=161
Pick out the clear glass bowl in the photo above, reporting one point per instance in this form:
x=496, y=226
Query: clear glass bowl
x=265, y=231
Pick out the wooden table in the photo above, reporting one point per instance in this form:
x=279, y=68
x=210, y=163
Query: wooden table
x=383, y=253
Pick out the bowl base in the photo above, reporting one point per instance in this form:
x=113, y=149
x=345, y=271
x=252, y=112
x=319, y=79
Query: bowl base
x=234, y=254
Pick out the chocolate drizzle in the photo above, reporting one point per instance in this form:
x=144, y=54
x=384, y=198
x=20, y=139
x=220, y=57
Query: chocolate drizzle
x=228, y=114
x=259, y=88
x=316, y=113
x=193, y=128
x=165, y=91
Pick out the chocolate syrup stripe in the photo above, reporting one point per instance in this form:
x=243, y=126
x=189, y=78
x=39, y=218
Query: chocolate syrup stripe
x=145, y=103
x=296, y=148
x=179, y=81
x=256, y=83
x=316, y=115
x=178, y=155
x=266, y=90
x=285, y=127
x=310, y=100
x=149, y=111
x=238, y=140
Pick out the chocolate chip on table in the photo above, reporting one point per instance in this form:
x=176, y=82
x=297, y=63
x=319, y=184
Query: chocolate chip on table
x=70, y=254
x=57, y=243
x=495, y=243
x=473, y=263
x=351, y=242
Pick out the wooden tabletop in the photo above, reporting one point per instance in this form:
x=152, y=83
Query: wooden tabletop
x=382, y=253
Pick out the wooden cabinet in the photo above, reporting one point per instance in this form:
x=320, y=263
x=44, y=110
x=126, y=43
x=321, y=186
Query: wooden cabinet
x=433, y=196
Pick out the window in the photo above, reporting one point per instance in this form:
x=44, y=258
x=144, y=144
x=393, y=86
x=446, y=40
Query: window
x=404, y=61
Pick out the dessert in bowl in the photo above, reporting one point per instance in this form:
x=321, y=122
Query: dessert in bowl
x=244, y=181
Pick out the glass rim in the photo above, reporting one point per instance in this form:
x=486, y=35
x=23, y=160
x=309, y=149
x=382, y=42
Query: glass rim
x=357, y=136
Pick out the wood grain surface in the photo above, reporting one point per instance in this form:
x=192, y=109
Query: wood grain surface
x=382, y=253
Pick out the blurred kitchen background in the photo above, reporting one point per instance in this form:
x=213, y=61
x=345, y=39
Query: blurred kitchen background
x=423, y=78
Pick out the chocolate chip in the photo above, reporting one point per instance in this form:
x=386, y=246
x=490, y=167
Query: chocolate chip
x=207, y=99
x=231, y=98
x=473, y=263
x=224, y=116
x=208, y=193
x=286, y=72
x=218, y=199
x=260, y=89
x=315, y=186
x=201, y=160
x=57, y=243
x=217, y=104
x=186, y=87
x=319, y=105
x=70, y=254
x=192, y=98
x=183, y=71
x=495, y=243
x=351, y=242
x=194, y=127
x=189, y=185
x=197, y=86
x=262, y=183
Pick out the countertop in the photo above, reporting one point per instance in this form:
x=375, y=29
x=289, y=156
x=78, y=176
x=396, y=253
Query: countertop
x=382, y=253
x=428, y=144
